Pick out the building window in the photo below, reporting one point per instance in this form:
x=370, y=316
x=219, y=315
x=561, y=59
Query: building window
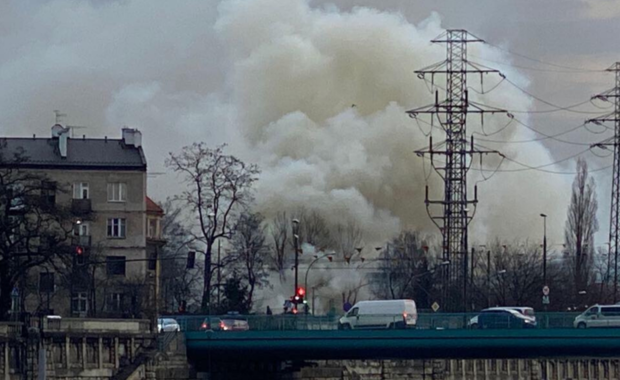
x=152, y=263
x=115, y=265
x=153, y=228
x=115, y=302
x=116, y=227
x=80, y=190
x=81, y=229
x=79, y=302
x=48, y=193
x=46, y=282
x=117, y=192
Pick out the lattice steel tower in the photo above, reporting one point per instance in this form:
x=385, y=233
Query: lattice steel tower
x=614, y=116
x=457, y=149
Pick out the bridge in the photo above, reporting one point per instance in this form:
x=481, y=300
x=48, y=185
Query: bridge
x=402, y=344
x=441, y=347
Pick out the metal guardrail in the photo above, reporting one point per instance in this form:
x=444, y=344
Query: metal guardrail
x=426, y=321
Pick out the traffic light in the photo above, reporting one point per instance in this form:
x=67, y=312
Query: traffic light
x=79, y=254
x=191, y=259
x=299, y=296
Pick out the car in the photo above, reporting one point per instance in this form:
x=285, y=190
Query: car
x=167, y=325
x=233, y=321
x=504, y=319
x=525, y=310
x=601, y=316
x=382, y=314
x=211, y=323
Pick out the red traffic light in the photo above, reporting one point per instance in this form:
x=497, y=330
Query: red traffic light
x=79, y=250
x=301, y=291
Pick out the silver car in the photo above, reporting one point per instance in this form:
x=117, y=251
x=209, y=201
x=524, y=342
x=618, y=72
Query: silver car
x=167, y=325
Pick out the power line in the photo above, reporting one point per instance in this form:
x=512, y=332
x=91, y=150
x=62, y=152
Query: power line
x=557, y=107
x=540, y=168
x=546, y=136
x=509, y=64
x=578, y=69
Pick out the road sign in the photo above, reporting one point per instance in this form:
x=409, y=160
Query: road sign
x=435, y=306
x=545, y=300
x=546, y=290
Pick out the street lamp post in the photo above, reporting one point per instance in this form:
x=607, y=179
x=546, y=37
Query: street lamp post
x=544, y=216
x=316, y=258
x=296, y=248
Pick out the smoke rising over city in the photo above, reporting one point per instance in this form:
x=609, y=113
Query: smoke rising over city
x=313, y=94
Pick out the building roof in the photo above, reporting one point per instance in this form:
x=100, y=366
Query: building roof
x=89, y=154
x=152, y=207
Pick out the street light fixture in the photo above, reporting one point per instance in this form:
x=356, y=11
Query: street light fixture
x=316, y=258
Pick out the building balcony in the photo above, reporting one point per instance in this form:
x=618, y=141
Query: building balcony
x=81, y=206
x=83, y=240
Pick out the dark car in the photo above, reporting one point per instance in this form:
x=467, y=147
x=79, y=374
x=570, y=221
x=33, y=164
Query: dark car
x=211, y=323
x=504, y=319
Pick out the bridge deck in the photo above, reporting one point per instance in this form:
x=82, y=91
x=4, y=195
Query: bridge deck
x=406, y=344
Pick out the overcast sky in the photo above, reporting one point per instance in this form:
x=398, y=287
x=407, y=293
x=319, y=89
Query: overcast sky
x=165, y=67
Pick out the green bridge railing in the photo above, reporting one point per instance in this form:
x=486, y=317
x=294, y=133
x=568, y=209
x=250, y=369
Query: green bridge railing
x=426, y=321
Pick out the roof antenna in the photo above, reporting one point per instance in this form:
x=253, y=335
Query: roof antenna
x=72, y=127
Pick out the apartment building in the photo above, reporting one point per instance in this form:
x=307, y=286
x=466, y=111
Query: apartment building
x=114, y=271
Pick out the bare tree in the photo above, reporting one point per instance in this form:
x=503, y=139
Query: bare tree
x=251, y=252
x=581, y=225
x=348, y=238
x=219, y=185
x=315, y=230
x=408, y=268
x=34, y=229
x=279, y=229
x=178, y=283
x=515, y=274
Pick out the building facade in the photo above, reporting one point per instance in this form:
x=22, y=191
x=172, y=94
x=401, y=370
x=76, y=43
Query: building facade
x=111, y=272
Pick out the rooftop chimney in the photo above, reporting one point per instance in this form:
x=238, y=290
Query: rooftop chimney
x=57, y=129
x=132, y=137
x=63, y=138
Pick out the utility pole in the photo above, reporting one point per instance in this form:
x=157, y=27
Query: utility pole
x=544, y=216
x=613, y=95
x=219, y=273
x=488, y=278
x=456, y=148
x=471, y=281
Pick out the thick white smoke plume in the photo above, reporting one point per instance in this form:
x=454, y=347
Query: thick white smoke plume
x=316, y=96
x=321, y=97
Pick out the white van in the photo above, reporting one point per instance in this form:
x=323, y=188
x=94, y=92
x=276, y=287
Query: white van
x=394, y=314
x=599, y=316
